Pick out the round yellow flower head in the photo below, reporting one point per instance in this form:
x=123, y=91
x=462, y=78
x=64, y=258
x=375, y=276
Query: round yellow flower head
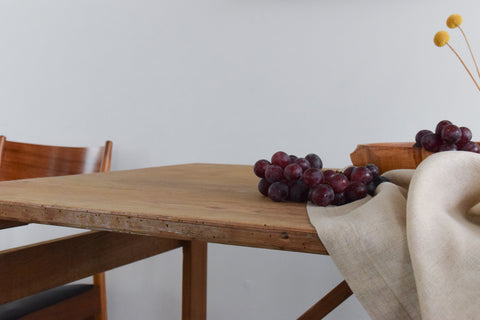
x=454, y=21
x=441, y=38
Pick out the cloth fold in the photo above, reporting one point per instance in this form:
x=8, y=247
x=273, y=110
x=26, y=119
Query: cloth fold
x=413, y=250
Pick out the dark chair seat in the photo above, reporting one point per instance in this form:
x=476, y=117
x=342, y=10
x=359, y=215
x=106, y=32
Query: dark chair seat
x=22, y=307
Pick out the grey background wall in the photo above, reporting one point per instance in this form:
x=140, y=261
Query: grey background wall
x=228, y=81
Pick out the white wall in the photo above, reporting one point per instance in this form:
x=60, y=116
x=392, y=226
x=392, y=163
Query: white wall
x=229, y=81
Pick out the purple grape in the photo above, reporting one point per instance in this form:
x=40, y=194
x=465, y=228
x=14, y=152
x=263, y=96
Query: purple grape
x=431, y=142
x=451, y=134
x=355, y=191
x=348, y=172
x=292, y=172
x=273, y=173
x=281, y=159
x=299, y=191
x=339, y=182
x=260, y=166
x=374, y=171
x=278, y=191
x=328, y=173
x=304, y=163
x=419, y=136
x=471, y=146
x=293, y=158
x=339, y=199
x=361, y=174
x=313, y=177
x=371, y=187
x=447, y=147
x=440, y=125
x=380, y=179
x=323, y=195
x=263, y=186
x=466, y=137
x=314, y=160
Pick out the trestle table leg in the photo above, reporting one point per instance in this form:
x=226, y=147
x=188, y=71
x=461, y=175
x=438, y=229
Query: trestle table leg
x=333, y=299
x=194, y=291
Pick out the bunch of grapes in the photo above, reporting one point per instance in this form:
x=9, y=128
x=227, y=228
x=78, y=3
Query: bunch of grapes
x=447, y=137
x=287, y=177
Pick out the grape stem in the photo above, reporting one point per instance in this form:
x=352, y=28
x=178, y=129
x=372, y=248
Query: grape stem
x=463, y=63
x=469, y=48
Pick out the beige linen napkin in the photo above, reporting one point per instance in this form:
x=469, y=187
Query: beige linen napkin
x=367, y=240
x=443, y=234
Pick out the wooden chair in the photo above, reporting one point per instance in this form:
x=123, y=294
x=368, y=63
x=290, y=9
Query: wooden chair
x=22, y=161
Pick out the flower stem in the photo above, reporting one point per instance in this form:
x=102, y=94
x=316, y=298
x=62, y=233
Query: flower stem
x=451, y=48
x=469, y=48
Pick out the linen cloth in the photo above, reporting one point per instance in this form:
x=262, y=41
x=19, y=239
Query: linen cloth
x=413, y=250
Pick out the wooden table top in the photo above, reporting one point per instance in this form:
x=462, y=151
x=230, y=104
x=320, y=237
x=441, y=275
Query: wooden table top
x=207, y=202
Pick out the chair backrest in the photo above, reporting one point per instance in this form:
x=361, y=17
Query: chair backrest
x=24, y=160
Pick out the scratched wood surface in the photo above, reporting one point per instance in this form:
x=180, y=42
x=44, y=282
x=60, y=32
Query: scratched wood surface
x=206, y=202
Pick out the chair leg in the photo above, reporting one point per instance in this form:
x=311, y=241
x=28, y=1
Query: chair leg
x=332, y=300
x=99, y=282
x=194, y=296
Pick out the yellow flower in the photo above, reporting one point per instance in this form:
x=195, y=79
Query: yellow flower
x=441, y=38
x=454, y=21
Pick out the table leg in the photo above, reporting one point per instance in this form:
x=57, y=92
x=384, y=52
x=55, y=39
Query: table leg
x=323, y=307
x=194, y=296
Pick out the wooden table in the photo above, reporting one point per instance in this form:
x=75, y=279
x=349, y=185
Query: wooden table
x=148, y=211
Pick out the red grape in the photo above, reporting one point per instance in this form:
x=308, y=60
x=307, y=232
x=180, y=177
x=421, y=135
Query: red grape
x=471, y=146
x=355, y=191
x=304, y=163
x=431, y=142
x=290, y=178
x=447, y=137
x=298, y=191
x=348, y=172
x=440, y=125
x=373, y=169
x=293, y=172
x=278, y=191
x=372, y=186
x=314, y=160
x=313, y=177
x=323, y=195
x=328, y=173
x=339, y=182
x=361, y=174
x=380, y=179
x=281, y=159
x=273, y=173
x=447, y=147
x=466, y=137
x=451, y=134
x=263, y=186
x=260, y=166
x=339, y=199
x=419, y=136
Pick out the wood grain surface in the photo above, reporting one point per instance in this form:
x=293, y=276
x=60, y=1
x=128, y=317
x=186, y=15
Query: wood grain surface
x=389, y=156
x=60, y=261
x=205, y=202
